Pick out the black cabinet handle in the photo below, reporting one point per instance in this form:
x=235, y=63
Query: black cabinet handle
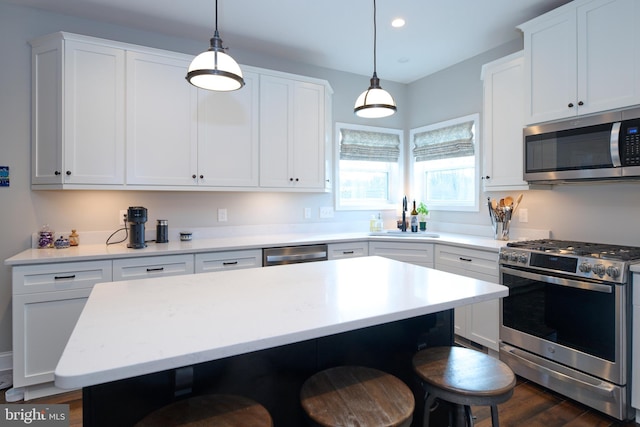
x=486, y=177
x=347, y=252
x=580, y=103
x=56, y=173
x=68, y=173
x=465, y=259
x=72, y=276
x=230, y=263
x=193, y=176
x=201, y=176
x=149, y=270
x=570, y=105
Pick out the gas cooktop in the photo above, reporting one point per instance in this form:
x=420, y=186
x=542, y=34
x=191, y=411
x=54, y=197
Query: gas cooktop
x=582, y=249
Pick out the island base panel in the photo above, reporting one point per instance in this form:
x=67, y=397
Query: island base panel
x=273, y=377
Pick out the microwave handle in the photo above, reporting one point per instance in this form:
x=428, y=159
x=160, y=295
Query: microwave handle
x=614, y=144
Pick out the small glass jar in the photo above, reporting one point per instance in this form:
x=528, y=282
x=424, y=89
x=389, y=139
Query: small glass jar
x=61, y=243
x=46, y=238
x=74, y=238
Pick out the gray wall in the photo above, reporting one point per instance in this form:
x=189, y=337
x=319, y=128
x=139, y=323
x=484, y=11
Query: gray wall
x=601, y=213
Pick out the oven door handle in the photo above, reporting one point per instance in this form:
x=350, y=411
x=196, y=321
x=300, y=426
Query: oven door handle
x=604, y=389
x=588, y=286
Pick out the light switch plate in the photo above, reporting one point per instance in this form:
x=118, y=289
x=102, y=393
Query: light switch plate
x=222, y=215
x=523, y=215
x=307, y=213
x=326, y=212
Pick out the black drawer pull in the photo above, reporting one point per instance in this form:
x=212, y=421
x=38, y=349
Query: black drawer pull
x=72, y=276
x=347, y=252
x=230, y=263
x=465, y=259
x=149, y=270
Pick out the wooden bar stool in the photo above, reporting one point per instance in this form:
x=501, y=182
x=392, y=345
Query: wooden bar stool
x=218, y=410
x=357, y=396
x=463, y=377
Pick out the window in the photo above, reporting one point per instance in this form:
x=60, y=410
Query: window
x=445, y=160
x=369, y=167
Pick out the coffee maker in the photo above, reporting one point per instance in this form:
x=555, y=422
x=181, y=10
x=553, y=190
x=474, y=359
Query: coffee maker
x=136, y=217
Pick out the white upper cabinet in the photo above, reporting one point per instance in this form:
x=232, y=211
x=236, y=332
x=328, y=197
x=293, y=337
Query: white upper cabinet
x=161, y=121
x=292, y=134
x=111, y=115
x=228, y=135
x=503, y=120
x=78, y=134
x=582, y=58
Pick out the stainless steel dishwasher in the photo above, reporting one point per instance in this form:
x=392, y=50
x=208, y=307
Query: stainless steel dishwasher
x=294, y=254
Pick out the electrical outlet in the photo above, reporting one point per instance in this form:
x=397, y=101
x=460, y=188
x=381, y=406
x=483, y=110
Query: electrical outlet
x=222, y=215
x=122, y=217
x=307, y=213
x=523, y=215
x=326, y=212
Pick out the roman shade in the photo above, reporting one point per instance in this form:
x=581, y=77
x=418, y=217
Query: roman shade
x=369, y=146
x=444, y=143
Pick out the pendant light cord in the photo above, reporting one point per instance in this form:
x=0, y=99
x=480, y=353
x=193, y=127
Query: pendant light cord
x=374, y=37
x=216, y=16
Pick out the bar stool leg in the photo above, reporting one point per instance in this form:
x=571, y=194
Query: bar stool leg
x=428, y=403
x=494, y=416
x=461, y=420
x=468, y=415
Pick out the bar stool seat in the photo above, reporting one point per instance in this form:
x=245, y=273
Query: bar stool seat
x=218, y=410
x=465, y=378
x=357, y=396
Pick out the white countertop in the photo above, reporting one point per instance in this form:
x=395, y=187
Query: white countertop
x=132, y=328
x=91, y=252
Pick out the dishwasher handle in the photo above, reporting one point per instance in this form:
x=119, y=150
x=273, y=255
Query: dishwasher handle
x=294, y=254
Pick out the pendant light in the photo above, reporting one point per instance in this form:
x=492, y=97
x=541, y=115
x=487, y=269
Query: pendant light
x=214, y=69
x=375, y=102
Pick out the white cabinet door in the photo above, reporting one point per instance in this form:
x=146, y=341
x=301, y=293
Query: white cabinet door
x=78, y=112
x=347, y=250
x=550, y=73
x=152, y=266
x=413, y=253
x=582, y=58
x=229, y=260
x=292, y=134
x=45, y=322
x=478, y=322
x=609, y=57
x=228, y=136
x=503, y=115
x=161, y=121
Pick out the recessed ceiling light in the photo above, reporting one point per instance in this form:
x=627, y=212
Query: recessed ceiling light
x=397, y=23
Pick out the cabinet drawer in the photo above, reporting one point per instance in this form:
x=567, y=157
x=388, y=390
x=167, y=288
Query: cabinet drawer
x=483, y=262
x=232, y=260
x=59, y=276
x=414, y=253
x=154, y=266
x=348, y=250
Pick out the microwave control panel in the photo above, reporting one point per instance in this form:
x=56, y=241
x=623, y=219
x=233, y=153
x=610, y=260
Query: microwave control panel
x=630, y=138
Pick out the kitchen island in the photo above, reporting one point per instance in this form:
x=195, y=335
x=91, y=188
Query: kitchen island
x=258, y=332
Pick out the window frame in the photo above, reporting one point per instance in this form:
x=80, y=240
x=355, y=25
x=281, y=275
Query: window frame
x=395, y=188
x=417, y=189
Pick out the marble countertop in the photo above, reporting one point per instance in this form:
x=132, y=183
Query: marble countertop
x=91, y=252
x=132, y=328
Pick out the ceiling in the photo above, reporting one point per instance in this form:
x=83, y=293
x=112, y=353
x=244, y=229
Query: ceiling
x=336, y=34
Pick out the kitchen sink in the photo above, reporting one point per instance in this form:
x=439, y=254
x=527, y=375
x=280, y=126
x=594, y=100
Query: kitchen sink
x=398, y=233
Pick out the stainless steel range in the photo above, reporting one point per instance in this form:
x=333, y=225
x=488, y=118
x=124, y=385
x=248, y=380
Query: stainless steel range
x=566, y=323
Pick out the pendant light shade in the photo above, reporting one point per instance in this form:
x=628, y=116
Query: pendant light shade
x=214, y=69
x=375, y=102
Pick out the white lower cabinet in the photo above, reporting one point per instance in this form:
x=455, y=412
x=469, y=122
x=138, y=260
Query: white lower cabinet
x=231, y=260
x=476, y=322
x=348, y=250
x=411, y=252
x=152, y=266
x=47, y=301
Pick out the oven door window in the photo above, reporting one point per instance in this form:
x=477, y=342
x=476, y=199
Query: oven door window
x=580, y=319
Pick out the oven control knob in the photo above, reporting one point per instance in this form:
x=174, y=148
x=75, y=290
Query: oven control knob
x=523, y=258
x=504, y=256
x=513, y=256
x=612, y=271
x=585, y=267
x=599, y=269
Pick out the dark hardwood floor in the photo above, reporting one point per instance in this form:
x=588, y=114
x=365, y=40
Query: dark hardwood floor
x=530, y=406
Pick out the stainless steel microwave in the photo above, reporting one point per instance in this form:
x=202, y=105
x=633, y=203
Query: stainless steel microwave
x=598, y=147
